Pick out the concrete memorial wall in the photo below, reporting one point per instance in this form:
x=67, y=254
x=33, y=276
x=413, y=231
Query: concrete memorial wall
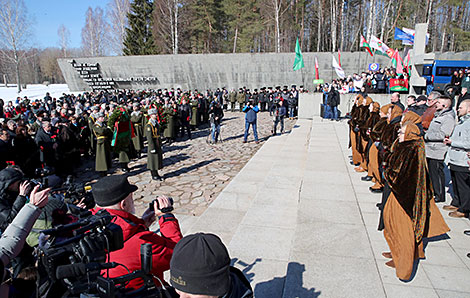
x=204, y=71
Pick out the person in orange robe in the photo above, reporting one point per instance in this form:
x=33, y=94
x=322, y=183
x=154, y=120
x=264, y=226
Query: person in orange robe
x=366, y=129
x=374, y=157
x=356, y=156
x=410, y=213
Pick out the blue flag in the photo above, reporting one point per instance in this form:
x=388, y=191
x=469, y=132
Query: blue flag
x=402, y=35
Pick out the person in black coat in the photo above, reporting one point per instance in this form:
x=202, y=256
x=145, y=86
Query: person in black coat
x=184, y=111
x=5, y=148
x=333, y=102
x=45, y=139
x=215, y=115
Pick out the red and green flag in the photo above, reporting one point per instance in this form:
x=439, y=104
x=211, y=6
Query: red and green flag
x=397, y=62
x=365, y=44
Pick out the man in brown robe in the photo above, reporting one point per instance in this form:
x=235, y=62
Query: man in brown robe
x=359, y=121
x=374, y=157
x=374, y=117
x=410, y=213
x=389, y=136
x=353, y=130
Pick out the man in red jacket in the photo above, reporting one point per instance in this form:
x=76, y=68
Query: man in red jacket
x=114, y=193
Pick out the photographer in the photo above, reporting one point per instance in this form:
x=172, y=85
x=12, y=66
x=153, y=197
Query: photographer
x=250, y=119
x=13, y=239
x=216, y=114
x=114, y=193
x=13, y=192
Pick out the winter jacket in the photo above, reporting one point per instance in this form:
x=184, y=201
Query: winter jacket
x=14, y=237
x=10, y=203
x=136, y=233
x=250, y=113
x=239, y=285
x=460, y=146
x=185, y=112
x=441, y=126
x=333, y=98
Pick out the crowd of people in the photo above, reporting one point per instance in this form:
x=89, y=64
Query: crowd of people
x=60, y=133
x=363, y=83
x=404, y=151
x=50, y=138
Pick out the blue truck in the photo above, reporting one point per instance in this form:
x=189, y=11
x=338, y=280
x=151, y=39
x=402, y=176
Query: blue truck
x=439, y=74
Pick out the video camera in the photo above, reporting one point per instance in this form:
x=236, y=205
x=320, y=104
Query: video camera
x=74, y=264
x=42, y=177
x=74, y=193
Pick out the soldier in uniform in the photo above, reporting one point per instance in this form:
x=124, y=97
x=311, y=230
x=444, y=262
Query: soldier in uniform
x=233, y=99
x=137, y=119
x=154, y=151
x=194, y=103
x=103, y=146
x=91, y=123
x=170, y=131
x=241, y=99
x=38, y=123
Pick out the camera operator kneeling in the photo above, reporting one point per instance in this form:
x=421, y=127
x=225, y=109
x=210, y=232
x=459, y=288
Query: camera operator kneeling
x=114, y=193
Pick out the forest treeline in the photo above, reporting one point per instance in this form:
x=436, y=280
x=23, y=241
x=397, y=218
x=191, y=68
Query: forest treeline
x=144, y=27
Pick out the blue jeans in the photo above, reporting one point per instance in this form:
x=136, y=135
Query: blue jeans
x=327, y=114
x=215, y=131
x=334, y=112
x=291, y=112
x=247, y=129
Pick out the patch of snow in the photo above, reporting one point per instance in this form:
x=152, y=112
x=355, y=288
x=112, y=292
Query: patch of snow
x=34, y=91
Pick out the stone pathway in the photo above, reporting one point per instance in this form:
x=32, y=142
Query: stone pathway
x=299, y=222
x=195, y=171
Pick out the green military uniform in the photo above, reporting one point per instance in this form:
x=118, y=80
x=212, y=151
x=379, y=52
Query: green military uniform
x=154, y=150
x=35, y=127
x=170, y=129
x=195, y=113
x=103, y=147
x=233, y=99
x=138, y=121
x=91, y=123
x=241, y=99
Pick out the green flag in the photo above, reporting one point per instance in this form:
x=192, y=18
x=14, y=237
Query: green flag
x=299, y=60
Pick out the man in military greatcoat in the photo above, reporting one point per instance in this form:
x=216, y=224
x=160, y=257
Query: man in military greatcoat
x=137, y=119
x=154, y=150
x=103, y=144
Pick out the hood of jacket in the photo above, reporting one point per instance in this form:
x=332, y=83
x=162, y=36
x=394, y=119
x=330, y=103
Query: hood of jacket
x=7, y=177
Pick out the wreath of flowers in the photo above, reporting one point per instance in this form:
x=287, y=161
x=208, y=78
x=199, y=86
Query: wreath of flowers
x=119, y=115
x=162, y=117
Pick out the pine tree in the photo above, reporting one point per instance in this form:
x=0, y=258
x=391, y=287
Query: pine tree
x=139, y=39
x=244, y=24
x=205, y=24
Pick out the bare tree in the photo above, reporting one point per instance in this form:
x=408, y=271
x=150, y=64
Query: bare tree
x=166, y=14
x=94, y=33
x=14, y=33
x=64, y=39
x=371, y=18
x=117, y=11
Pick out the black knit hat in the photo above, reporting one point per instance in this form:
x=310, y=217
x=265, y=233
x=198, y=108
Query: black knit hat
x=111, y=190
x=200, y=265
